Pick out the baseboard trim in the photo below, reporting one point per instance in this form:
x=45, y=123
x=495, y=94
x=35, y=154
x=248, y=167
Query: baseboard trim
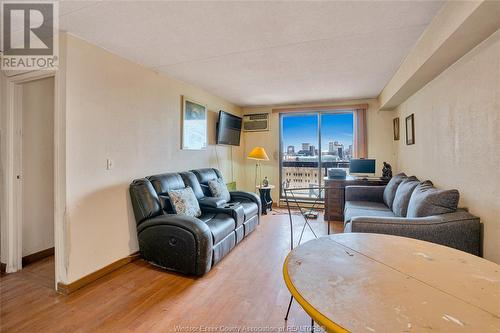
x=31, y=258
x=67, y=289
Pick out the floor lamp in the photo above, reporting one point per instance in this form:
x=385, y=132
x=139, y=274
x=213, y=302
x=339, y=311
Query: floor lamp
x=258, y=154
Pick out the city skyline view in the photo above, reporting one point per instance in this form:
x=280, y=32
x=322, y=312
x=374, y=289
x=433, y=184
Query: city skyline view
x=297, y=130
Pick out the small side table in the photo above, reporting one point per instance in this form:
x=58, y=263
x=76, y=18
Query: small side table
x=265, y=198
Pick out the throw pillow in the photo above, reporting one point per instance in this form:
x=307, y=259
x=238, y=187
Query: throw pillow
x=391, y=188
x=427, y=200
x=403, y=195
x=184, y=202
x=219, y=189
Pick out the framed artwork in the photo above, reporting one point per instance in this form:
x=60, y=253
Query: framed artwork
x=395, y=128
x=194, y=125
x=410, y=130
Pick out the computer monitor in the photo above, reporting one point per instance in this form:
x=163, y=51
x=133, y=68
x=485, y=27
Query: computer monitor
x=362, y=167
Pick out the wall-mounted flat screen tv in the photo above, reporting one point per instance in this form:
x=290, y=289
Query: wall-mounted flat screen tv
x=228, y=129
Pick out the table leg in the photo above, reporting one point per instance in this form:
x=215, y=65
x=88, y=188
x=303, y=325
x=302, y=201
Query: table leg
x=269, y=200
x=289, y=306
x=263, y=201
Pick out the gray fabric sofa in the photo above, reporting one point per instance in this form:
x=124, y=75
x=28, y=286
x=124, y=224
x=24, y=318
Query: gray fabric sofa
x=431, y=214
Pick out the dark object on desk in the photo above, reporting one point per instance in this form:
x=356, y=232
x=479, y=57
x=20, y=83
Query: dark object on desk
x=335, y=194
x=265, y=198
x=387, y=171
x=336, y=173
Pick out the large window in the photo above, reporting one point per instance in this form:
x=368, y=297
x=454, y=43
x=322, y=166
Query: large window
x=310, y=144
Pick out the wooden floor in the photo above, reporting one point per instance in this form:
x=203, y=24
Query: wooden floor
x=245, y=290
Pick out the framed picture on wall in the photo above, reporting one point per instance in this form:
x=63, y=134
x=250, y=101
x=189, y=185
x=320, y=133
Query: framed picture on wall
x=395, y=127
x=410, y=130
x=194, y=125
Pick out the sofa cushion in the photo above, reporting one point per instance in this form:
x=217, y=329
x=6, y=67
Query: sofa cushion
x=204, y=176
x=427, y=200
x=403, y=195
x=184, y=202
x=221, y=225
x=351, y=211
x=165, y=182
x=218, y=189
x=190, y=180
x=205, y=217
x=391, y=187
x=365, y=205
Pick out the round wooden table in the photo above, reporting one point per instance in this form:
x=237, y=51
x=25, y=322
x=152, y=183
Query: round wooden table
x=378, y=283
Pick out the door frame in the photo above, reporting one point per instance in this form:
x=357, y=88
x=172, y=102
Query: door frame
x=12, y=198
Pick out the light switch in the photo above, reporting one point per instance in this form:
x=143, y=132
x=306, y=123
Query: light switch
x=109, y=164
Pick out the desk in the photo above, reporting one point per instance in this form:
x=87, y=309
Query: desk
x=381, y=283
x=335, y=194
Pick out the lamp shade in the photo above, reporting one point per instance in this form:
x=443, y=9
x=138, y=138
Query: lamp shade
x=258, y=153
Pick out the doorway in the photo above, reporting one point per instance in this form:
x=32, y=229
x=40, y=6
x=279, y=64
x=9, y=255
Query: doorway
x=37, y=177
x=33, y=174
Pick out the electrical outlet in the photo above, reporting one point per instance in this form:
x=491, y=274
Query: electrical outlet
x=109, y=164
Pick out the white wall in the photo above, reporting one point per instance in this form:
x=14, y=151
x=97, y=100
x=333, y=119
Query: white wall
x=119, y=110
x=457, y=135
x=379, y=128
x=38, y=165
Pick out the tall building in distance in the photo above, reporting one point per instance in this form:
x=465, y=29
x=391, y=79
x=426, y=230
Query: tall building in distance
x=305, y=146
x=312, y=150
x=336, y=148
x=331, y=147
x=290, y=150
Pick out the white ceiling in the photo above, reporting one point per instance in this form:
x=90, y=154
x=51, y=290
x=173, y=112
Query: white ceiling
x=259, y=53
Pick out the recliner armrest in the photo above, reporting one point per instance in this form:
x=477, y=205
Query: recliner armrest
x=246, y=196
x=212, y=202
x=164, y=237
x=196, y=226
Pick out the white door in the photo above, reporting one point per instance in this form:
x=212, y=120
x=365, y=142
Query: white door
x=37, y=174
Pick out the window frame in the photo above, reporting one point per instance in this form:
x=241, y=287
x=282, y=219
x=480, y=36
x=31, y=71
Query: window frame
x=306, y=112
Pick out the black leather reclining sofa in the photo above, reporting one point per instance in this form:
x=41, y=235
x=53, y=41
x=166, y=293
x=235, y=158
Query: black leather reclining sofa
x=185, y=244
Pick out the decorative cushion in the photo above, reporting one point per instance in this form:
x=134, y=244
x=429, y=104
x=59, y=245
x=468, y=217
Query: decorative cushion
x=403, y=195
x=219, y=189
x=184, y=202
x=391, y=187
x=427, y=200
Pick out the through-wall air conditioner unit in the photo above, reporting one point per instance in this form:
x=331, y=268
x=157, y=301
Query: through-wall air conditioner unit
x=256, y=122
